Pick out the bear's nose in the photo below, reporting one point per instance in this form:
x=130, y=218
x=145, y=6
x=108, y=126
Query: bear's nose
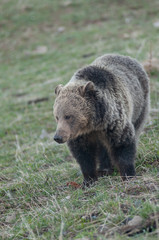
x=58, y=139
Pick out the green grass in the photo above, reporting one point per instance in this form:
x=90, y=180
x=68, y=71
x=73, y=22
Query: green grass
x=35, y=201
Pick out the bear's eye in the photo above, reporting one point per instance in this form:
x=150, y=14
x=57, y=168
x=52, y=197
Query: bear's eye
x=57, y=118
x=67, y=117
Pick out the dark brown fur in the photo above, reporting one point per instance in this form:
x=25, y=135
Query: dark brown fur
x=101, y=113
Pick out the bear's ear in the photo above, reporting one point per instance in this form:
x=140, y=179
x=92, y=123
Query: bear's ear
x=58, y=89
x=86, y=88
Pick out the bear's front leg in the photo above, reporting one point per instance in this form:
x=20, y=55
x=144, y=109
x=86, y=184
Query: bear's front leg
x=105, y=165
x=84, y=151
x=124, y=156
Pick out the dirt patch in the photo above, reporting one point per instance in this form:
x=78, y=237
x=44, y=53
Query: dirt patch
x=37, y=100
x=139, y=189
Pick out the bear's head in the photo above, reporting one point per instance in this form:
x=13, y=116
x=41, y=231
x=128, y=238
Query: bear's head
x=72, y=111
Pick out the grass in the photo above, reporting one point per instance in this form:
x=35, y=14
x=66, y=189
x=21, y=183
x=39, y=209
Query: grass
x=42, y=44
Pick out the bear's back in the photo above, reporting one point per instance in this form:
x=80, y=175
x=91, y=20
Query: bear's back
x=127, y=69
x=131, y=74
x=121, y=77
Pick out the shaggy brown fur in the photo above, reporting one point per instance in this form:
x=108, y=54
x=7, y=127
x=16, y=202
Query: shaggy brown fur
x=101, y=112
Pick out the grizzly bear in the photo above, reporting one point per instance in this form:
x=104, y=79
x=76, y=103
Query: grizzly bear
x=101, y=112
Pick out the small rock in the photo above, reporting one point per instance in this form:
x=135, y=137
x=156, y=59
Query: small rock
x=137, y=220
x=61, y=29
x=66, y=198
x=128, y=20
x=156, y=24
x=94, y=217
x=40, y=50
x=67, y=3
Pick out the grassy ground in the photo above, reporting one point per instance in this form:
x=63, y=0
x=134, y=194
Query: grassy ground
x=42, y=44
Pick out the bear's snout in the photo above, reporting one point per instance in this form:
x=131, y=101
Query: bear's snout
x=61, y=136
x=58, y=139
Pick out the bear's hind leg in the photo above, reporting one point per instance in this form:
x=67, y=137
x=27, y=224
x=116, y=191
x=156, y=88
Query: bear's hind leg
x=105, y=165
x=83, y=149
x=124, y=157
